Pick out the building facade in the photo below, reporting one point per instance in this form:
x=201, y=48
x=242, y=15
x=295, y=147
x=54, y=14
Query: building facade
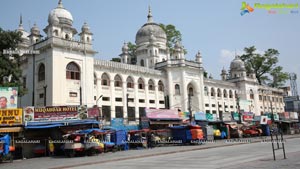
x=61, y=70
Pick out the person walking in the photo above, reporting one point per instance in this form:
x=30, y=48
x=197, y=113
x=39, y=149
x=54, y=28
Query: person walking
x=50, y=147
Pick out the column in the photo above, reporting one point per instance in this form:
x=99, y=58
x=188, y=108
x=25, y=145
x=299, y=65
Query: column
x=136, y=99
x=170, y=89
x=112, y=98
x=156, y=96
x=184, y=94
x=124, y=100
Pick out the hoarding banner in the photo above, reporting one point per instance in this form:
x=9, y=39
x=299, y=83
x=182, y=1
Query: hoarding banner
x=162, y=114
x=8, y=97
x=263, y=119
x=10, y=117
x=248, y=116
x=93, y=112
x=211, y=117
x=227, y=116
x=51, y=113
x=236, y=116
x=184, y=115
x=200, y=116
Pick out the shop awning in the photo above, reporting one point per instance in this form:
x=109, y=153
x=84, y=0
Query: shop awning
x=11, y=129
x=165, y=122
x=162, y=114
x=41, y=125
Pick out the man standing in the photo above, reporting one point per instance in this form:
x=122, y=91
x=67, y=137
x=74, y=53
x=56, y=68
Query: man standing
x=3, y=102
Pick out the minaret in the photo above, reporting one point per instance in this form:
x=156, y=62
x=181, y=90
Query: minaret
x=199, y=58
x=35, y=34
x=125, y=57
x=86, y=34
x=178, y=51
x=150, y=19
x=224, y=74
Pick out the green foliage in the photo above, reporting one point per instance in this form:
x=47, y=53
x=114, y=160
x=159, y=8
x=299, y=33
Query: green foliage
x=116, y=59
x=264, y=66
x=10, y=64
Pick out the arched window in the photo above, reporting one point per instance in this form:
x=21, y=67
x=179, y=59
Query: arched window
x=191, y=91
x=95, y=79
x=225, y=93
x=235, y=94
x=88, y=39
x=177, y=89
x=160, y=86
x=219, y=94
x=205, y=91
x=151, y=85
x=230, y=94
x=41, y=73
x=142, y=63
x=105, y=79
x=251, y=94
x=118, y=81
x=67, y=36
x=212, y=92
x=56, y=32
x=73, y=71
x=141, y=83
x=130, y=83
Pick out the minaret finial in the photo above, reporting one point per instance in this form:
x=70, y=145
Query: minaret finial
x=21, y=20
x=150, y=19
x=60, y=5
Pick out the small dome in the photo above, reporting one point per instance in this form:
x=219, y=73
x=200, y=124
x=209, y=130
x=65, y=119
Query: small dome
x=85, y=28
x=62, y=14
x=125, y=48
x=144, y=33
x=198, y=55
x=35, y=30
x=224, y=71
x=237, y=64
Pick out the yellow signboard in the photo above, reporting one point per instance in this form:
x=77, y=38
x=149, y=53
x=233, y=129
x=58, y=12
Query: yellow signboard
x=10, y=117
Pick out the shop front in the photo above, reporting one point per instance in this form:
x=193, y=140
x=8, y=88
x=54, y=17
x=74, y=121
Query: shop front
x=11, y=123
x=162, y=118
x=47, y=124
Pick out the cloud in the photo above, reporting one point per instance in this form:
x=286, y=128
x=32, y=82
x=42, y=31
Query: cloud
x=226, y=56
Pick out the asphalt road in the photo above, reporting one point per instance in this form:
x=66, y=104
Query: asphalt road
x=220, y=154
x=255, y=155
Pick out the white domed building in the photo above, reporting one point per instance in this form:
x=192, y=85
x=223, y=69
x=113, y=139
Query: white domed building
x=66, y=73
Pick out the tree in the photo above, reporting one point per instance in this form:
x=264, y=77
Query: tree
x=264, y=66
x=173, y=35
x=116, y=59
x=10, y=71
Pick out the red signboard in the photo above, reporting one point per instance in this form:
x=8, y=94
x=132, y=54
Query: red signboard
x=93, y=112
x=56, y=113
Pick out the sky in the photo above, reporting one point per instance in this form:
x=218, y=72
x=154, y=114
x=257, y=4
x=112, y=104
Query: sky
x=215, y=28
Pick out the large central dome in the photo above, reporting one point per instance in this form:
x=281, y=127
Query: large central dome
x=60, y=14
x=148, y=29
